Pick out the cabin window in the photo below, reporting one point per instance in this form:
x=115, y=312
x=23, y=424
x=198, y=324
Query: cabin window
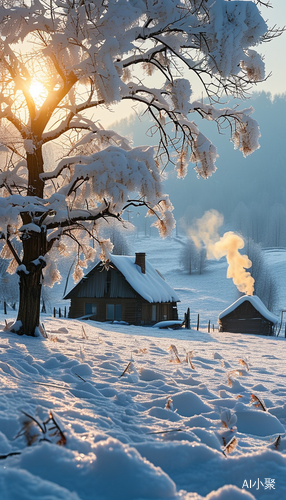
x=113, y=312
x=90, y=308
x=154, y=312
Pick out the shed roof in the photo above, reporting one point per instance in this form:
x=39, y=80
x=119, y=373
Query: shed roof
x=150, y=285
x=257, y=304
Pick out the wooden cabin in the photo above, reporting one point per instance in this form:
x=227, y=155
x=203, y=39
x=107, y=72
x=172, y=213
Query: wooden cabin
x=248, y=315
x=128, y=289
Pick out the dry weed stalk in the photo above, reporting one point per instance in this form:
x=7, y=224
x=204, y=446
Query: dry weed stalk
x=277, y=442
x=169, y=404
x=43, y=331
x=233, y=373
x=53, y=338
x=257, y=402
x=230, y=446
x=243, y=363
x=127, y=369
x=189, y=356
x=2, y=457
x=166, y=432
x=66, y=387
x=84, y=335
x=140, y=351
x=50, y=430
x=173, y=349
x=81, y=378
x=7, y=325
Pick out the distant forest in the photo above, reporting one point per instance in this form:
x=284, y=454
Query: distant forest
x=250, y=192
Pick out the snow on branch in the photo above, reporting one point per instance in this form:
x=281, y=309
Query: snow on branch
x=86, y=55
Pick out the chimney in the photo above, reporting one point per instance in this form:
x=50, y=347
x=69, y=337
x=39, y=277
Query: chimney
x=140, y=261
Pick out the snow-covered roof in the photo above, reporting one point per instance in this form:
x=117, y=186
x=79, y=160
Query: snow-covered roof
x=151, y=286
x=257, y=304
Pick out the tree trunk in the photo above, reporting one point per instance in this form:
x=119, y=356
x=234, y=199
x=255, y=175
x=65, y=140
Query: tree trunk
x=30, y=273
x=28, y=318
x=34, y=247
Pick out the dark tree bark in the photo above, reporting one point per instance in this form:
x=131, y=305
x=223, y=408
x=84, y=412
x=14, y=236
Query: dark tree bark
x=34, y=249
x=28, y=318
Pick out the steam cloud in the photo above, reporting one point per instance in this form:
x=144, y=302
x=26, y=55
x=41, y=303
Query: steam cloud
x=205, y=231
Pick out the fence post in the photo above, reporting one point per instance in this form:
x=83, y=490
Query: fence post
x=65, y=312
x=54, y=312
x=188, y=323
x=5, y=307
x=198, y=322
x=213, y=327
x=209, y=326
x=60, y=313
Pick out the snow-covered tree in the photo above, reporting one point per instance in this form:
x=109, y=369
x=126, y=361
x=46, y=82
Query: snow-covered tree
x=193, y=258
x=265, y=286
x=62, y=58
x=115, y=232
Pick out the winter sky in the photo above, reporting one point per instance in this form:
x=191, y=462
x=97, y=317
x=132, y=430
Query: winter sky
x=274, y=50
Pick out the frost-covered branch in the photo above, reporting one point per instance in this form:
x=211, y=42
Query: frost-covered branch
x=61, y=60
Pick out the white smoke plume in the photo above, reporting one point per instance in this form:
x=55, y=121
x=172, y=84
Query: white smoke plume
x=205, y=231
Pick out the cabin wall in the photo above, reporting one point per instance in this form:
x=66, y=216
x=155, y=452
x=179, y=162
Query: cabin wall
x=134, y=311
x=246, y=325
x=246, y=319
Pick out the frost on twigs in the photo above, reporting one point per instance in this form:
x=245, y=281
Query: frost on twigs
x=35, y=431
x=174, y=354
x=169, y=404
x=62, y=59
x=189, y=356
x=230, y=446
x=228, y=419
x=257, y=402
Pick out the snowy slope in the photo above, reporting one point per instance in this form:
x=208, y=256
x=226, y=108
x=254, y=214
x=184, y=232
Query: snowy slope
x=122, y=442
x=159, y=431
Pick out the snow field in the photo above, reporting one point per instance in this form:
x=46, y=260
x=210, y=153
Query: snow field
x=122, y=441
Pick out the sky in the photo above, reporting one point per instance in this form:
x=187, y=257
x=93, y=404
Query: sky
x=273, y=51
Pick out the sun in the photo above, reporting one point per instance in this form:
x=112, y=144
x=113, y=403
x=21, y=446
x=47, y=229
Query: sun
x=38, y=92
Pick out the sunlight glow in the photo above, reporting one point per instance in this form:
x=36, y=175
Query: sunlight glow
x=38, y=92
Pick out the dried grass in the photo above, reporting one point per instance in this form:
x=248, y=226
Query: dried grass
x=50, y=430
x=140, y=351
x=243, y=363
x=166, y=431
x=127, y=369
x=257, y=402
x=169, y=404
x=230, y=446
x=277, y=442
x=53, y=338
x=174, y=352
x=84, y=335
x=233, y=373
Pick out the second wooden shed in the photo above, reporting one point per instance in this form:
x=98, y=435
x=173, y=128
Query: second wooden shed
x=248, y=314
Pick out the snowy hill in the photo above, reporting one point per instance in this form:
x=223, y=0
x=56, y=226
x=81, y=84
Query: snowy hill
x=132, y=420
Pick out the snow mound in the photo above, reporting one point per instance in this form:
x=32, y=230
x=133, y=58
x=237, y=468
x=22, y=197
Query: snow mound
x=258, y=423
